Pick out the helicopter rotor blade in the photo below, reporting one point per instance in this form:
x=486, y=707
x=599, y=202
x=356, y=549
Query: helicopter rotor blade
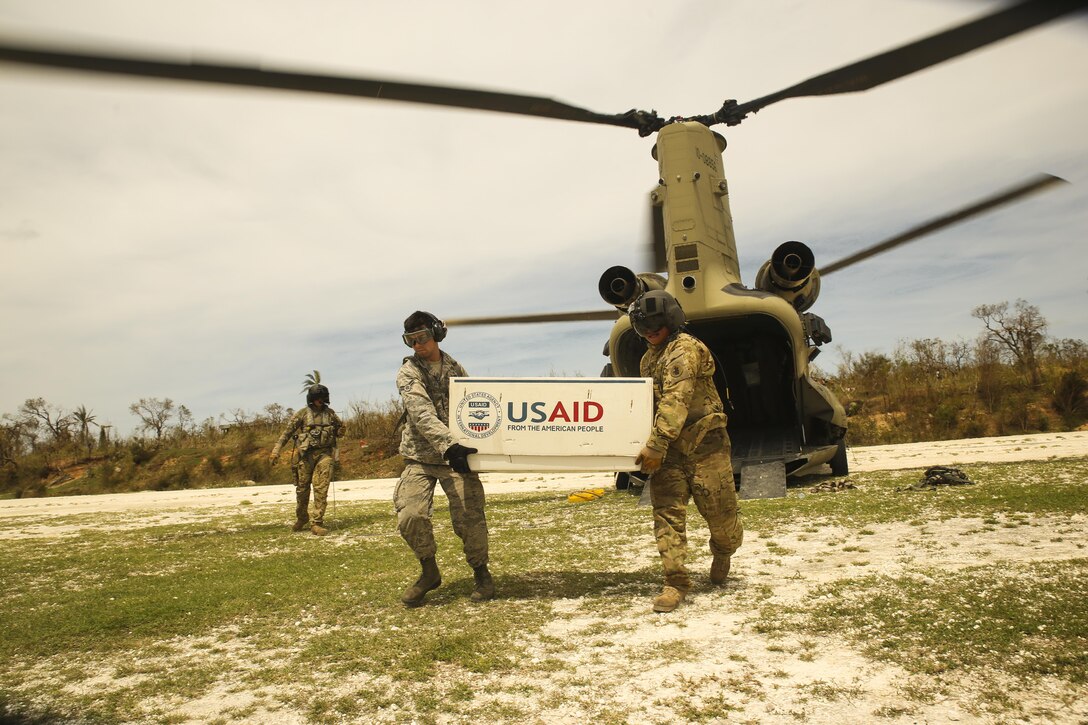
x=375, y=88
x=611, y=315
x=1033, y=185
x=863, y=75
x=910, y=58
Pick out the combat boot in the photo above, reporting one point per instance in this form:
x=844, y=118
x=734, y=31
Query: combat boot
x=485, y=587
x=302, y=513
x=319, y=530
x=719, y=569
x=669, y=599
x=428, y=580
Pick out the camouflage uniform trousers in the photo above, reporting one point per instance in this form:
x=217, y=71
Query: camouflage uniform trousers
x=413, y=500
x=706, y=476
x=314, y=469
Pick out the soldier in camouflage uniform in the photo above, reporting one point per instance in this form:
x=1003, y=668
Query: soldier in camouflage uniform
x=315, y=429
x=688, y=451
x=431, y=456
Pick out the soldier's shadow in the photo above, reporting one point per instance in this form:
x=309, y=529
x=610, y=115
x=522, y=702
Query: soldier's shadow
x=551, y=585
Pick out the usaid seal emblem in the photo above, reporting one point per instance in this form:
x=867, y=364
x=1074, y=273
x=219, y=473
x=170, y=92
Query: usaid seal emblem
x=478, y=415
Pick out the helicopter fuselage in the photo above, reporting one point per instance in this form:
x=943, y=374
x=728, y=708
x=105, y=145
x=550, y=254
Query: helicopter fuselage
x=779, y=416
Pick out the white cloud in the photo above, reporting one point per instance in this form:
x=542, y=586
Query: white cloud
x=214, y=245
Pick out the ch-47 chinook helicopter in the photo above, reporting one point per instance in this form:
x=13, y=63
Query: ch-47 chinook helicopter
x=782, y=421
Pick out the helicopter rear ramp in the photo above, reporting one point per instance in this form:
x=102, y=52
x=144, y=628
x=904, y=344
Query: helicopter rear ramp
x=763, y=480
x=759, y=455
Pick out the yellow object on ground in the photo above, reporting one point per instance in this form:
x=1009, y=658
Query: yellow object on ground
x=588, y=494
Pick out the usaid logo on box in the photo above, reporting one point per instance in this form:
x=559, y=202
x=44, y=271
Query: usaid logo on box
x=478, y=414
x=541, y=424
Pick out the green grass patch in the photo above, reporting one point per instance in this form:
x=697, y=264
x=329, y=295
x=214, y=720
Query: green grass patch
x=1027, y=621
x=119, y=623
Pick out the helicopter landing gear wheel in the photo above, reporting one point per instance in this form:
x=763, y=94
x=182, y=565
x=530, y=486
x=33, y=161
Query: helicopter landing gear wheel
x=839, y=465
x=623, y=481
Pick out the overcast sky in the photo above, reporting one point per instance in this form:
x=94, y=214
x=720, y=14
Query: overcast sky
x=214, y=245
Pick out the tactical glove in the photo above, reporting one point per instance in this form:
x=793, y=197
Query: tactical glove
x=649, y=459
x=457, y=455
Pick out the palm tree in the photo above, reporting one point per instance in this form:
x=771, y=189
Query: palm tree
x=85, y=419
x=311, y=379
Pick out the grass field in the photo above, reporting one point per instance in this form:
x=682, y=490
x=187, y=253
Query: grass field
x=965, y=603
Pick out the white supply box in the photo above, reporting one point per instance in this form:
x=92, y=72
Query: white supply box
x=552, y=424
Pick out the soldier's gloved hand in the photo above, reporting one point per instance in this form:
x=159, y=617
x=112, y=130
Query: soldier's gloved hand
x=274, y=458
x=457, y=455
x=649, y=459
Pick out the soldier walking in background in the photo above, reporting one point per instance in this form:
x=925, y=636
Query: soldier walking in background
x=315, y=429
x=431, y=456
x=688, y=452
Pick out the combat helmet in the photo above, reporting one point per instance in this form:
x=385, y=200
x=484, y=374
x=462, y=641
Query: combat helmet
x=656, y=309
x=317, y=391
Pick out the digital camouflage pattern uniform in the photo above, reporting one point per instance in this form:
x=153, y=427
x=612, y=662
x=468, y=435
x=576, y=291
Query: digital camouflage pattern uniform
x=316, y=433
x=425, y=391
x=689, y=428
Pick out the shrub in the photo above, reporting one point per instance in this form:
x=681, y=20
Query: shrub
x=140, y=452
x=1069, y=397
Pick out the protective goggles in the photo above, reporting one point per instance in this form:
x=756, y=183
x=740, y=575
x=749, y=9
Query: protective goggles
x=419, y=337
x=645, y=324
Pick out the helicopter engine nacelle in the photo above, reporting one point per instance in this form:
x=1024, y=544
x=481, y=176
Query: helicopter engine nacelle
x=619, y=286
x=791, y=274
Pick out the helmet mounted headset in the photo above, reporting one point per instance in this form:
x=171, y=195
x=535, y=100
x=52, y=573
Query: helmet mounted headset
x=423, y=322
x=656, y=309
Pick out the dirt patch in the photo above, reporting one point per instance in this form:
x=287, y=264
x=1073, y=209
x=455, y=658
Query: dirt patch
x=724, y=669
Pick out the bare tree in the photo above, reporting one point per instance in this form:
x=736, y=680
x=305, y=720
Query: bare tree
x=1020, y=332
x=185, y=420
x=154, y=414
x=239, y=418
x=847, y=360
x=16, y=438
x=1067, y=352
x=41, y=412
x=274, y=413
x=959, y=355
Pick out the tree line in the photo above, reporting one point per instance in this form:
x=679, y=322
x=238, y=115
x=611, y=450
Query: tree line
x=1011, y=379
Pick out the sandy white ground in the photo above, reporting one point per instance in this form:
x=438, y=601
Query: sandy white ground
x=1040, y=446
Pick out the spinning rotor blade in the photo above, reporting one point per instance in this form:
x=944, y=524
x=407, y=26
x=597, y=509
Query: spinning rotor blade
x=1035, y=184
x=612, y=315
x=376, y=88
x=910, y=58
x=858, y=76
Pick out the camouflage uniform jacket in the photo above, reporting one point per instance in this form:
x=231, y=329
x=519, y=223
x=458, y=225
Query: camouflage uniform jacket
x=315, y=430
x=426, y=397
x=686, y=403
